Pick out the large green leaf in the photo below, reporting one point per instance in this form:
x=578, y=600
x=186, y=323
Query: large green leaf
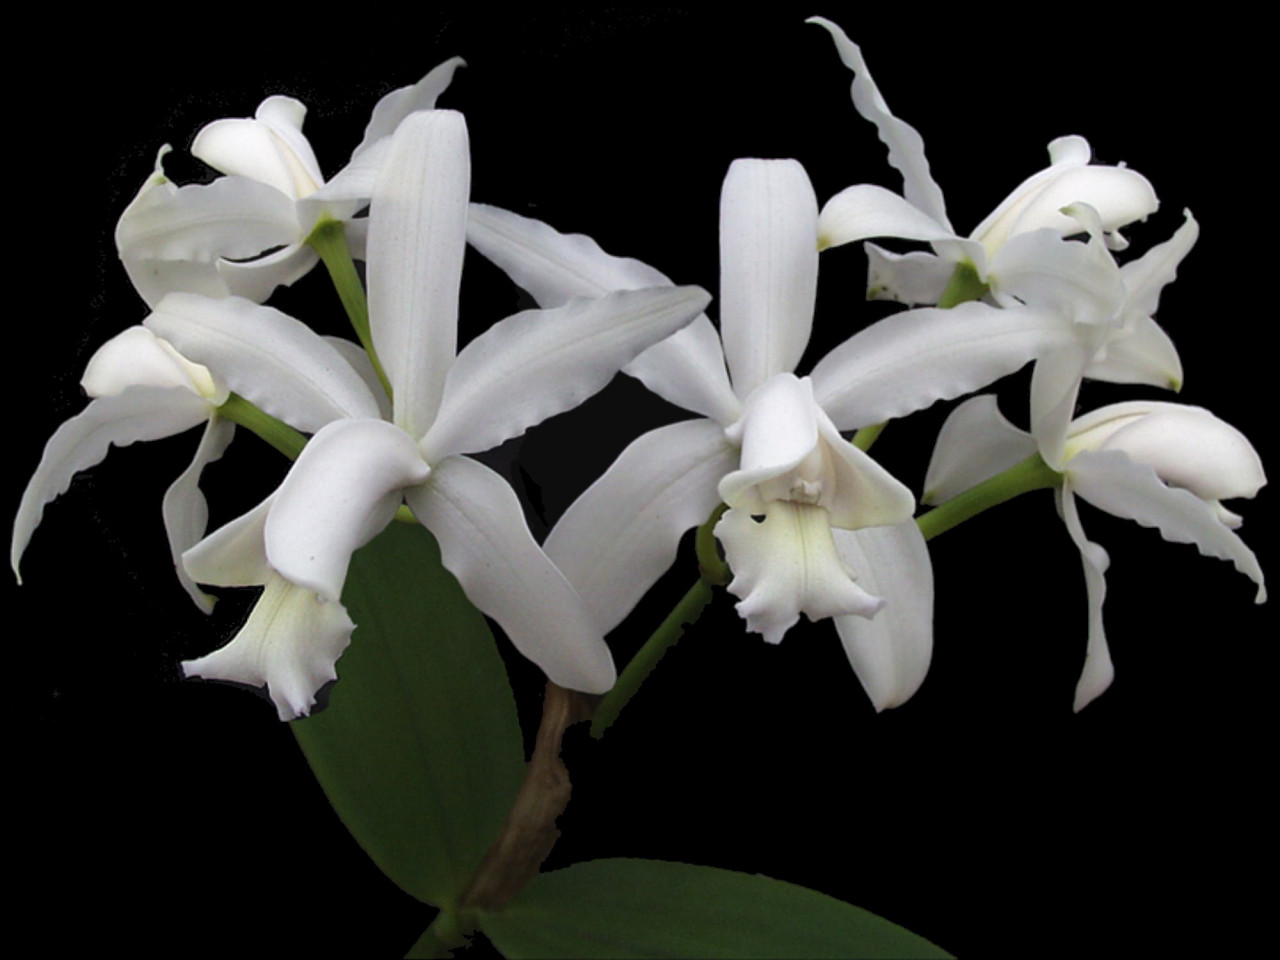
x=653, y=908
x=419, y=749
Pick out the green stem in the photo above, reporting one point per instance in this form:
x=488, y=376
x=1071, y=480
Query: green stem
x=329, y=240
x=964, y=285
x=686, y=611
x=1031, y=474
x=866, y=436
x=711, y=565
x=277, y=433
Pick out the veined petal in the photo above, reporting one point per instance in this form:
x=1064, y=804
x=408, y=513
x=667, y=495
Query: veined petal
x=787, y=565
x=417, y=238
x=975, y=443
x=485, y=543
x=185, y=510
x=139, y=413
x=891, y=651
x=864, y=211
x=291, y=643
x=687, y=368
x=910, y=278
x=1111, y=481
x=343, y=490
x=906, y=147
x=231, y=217
x=398, y=104
x=621, y=535
x=136, y=357
x=1098, y=670
x=268, y=358
x=908, y=361
x=538, y=363
x=768, y=269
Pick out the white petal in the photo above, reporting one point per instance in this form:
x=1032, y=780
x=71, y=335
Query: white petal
x=291, y=643
x=975, y=443
x=864, y=211
x=139, y=413
x=891, y=651
x=359, y=361
x=257, y=279
x=768, y=268
x=1189, y=447
x=621, y=535
x=1111, y=481
x=417, y=238
x=268, y=358
x=906, y=148
x=1098, y=670
x=536, y=364
x=1147, y=276
x=1055, y=386
x=786, y=565
x=136, y=357
x=343, y=490
x=687, y=369
x=398, y=104
x=908, y=361
x=1078, y=280
x=269, y=148
x=910, y=278
x=231, y=217
x=234, y=555
x=485, y=543
x=185, y=510
x=1140, y=353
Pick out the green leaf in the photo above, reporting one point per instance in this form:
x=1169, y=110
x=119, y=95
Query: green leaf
x=653, y=908
x=419, y=749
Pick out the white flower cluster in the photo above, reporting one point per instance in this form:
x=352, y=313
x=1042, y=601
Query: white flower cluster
x=811, y=523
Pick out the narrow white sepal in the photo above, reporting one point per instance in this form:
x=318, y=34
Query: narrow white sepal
x=975, y=443
x=1098, y=670
x=185, y=510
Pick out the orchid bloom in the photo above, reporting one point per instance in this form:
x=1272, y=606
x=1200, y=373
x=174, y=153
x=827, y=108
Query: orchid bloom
x=768, y=442
x=1118, y=194
x=1163, y=465
x=214, y=239
x=143, y=388
x=355, y=473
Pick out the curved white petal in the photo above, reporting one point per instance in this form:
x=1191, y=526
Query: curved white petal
x=268, y=358
x=136, y=357
x=1187, y=447
x=1055, y=386
x=906, y=148
x=1147, y=276
x=1111, y=481
x=621, y=535
x=139, y=413
x=343, y=490
x=768, y=269
x=1098, y=670
x=891, y=651
x=156, y=279
x=359, y=361
x=269, y=148
x=910, y=278
x=538, y=363
x=257, y=279
x=908, y=361
x=1140, y=353
x=786, y=564
x=485, y=543
x=398, y=104
x=975, y=443
x=291, y=643
x=185, y=510
x=234, y=555
x=865, y=210
x=231, y=217
x=1078, y=280
x=417, y=238
x=687, y=368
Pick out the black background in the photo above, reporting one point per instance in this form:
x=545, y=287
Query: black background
x=178, y=817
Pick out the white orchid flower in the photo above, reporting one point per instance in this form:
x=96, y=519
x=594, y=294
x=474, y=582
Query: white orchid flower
x=352, y=477
x=245, y=233
x=1119, y=195
x=1163, y=465
x=145, y=388
x=809, y=512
